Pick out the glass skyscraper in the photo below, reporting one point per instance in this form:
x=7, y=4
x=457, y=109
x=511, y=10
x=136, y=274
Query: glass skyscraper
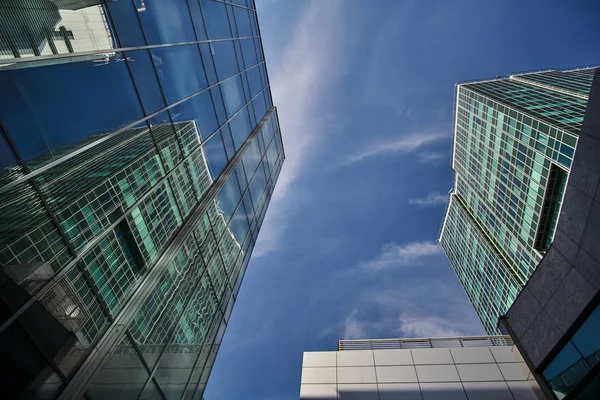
x=139, y=149
x=514, y=142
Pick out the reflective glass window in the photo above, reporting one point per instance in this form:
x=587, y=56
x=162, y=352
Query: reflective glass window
x=240, y=128
x=228, y=142
x=10, y=168
x=243, y=22
x=215, y=155
x=587, y=338
x=251, y=159
x=233, y=94
x=215, y=17
x=124, y=16
x=122, y=372
x=249, y=52
x=219, y=105
x=254, y=81
x=145, y=79
x=42, y=126
x=225, y=59
x=197, y=19
x=167, y=22
x=229, y=197
x=209, y=65
x=180, y=71
x=239, y=223
x=200, y=109
x=260, y=107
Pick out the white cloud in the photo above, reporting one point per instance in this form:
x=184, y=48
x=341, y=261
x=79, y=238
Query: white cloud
x=404, y=144
x=397, y=255
x=430, y=326
x=297, y=80
x=431, y=157
x=421, y=307
x=432, y=199
x=354, y=328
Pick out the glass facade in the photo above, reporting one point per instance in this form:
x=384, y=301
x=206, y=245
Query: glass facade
x=139, y=149
x=575, y=360
x=514, y=143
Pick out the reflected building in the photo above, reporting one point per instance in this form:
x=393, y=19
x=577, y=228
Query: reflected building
x=476, y=367
x=33, y=28
x=514, y=143
x=129, y=208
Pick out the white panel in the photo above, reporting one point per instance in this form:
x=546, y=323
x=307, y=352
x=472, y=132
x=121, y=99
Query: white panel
x=357, y=392
x=392, y=357
x=514, y=371
x=318, y=375
x=472, y=355
x=396, y=374
x=443, y=391
x=506, y=353
x=522, y=390
x=354, y=358
x=487, y=391
x=356, y=375
x=432, y=356
x=437, y=373
x=479, y=372
x=318, y=392
x=399, y=391
x=319, y=359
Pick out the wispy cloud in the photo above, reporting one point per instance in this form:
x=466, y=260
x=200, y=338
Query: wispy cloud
x=355, y=328
x=297, y=79
x=432, y=199
x=432, y=157
x=398, y=255
x=404, y=144
x=430, y=326
x=411, y=308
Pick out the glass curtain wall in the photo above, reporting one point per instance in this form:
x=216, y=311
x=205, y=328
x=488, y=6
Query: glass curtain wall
x=139, y=149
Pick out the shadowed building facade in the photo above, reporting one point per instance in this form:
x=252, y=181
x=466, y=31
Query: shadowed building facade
x=514, y=143
x=136, y=172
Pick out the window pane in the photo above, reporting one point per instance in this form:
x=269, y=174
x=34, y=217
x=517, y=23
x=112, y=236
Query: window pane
x=63, y=121
x=215, y=155
x=122, y=374
x=216, y=20
x=240, y=128
x=254, y=81
x=249, y=52
x=233, y=95
x=167, y=22
x=587, y=338
x=145, y=80
x=180, y=71
x=243, y=22
x=225, y=59
x=229, y=197
x=199, y=109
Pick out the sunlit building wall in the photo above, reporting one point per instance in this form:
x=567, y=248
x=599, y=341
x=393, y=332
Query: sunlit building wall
x=514, y=142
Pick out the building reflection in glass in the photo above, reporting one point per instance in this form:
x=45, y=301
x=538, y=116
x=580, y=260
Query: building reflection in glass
x=139, y=148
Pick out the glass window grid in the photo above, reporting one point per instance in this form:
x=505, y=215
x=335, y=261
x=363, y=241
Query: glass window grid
x=502, y=158
x=576, y=358
x=515, y=203
x=579, y=81
x=172, y=149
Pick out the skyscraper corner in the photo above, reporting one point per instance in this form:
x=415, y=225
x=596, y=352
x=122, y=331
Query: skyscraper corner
x=140, y=148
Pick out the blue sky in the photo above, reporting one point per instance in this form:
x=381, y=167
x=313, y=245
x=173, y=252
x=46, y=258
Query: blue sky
x=364, y=92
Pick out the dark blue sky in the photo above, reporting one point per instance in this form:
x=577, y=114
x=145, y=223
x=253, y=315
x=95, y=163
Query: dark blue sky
x=365, y=97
